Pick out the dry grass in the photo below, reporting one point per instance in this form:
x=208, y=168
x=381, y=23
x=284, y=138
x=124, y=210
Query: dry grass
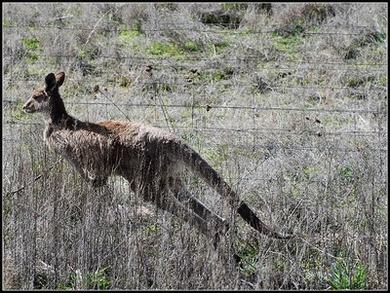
x=321, y=174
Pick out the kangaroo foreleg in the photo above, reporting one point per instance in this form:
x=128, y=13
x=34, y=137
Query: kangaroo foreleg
x=95, y=180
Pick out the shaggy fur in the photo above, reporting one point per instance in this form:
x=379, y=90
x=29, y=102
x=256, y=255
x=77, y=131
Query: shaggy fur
x=148, y=157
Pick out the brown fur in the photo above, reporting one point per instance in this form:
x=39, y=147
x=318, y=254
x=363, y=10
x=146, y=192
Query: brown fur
x=148, y=157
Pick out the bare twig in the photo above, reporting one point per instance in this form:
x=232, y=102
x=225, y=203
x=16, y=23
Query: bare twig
x=37, y=177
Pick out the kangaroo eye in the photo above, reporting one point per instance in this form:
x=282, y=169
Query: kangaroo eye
x=39, y=98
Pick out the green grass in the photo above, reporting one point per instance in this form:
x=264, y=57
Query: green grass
x=95, y=280
x=346, y=173
x=87, y=53
x=31, y=43
x=248, y=254
x=310, y=171
x=288, y=45
x=356, y=81
x=217, y=155
x=343, y=276
x=7, y=23
x=234, y=6
x=98, y=280
x=220, y=47
x=16, y=111
x=170, y=49
x=165, y=49
x=192, y=47
x=33, y=47
x=129, y=35
x=216, y=75
x=152, y=228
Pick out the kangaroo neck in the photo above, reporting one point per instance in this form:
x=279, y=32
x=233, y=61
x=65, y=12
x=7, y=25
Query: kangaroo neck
x=56, y=115
x=57, y=111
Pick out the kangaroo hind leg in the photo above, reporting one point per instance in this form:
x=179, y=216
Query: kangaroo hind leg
x=215, y=222
x=173, y=206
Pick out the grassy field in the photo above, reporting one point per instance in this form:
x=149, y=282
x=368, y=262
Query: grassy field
x=287, y=101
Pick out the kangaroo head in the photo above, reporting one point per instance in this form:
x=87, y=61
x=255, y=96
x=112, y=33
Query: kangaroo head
x=42, y=99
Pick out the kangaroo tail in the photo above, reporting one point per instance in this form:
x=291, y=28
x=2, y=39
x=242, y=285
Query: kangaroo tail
x=199, y=166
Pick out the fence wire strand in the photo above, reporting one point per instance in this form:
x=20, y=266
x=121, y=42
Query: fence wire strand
x=208, y=107
x=300, y=64
x=193, y=29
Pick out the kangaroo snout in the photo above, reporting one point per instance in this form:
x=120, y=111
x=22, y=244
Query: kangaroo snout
x=28, y=107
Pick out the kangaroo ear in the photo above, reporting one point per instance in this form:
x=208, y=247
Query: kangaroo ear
x=50, y=81
x=60, y=77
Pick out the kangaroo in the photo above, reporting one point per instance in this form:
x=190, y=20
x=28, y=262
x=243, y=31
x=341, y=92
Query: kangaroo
x=149, y=158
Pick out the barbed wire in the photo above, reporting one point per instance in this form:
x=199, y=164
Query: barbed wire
x=246, y=31
x=235, y=178
x=209, y=107
x=274, y=131
x=301, y=64
x=276, y=25
x=117, y=80
x=318, y=133
x=224, y=59
x=209, y=22
x=322, y=148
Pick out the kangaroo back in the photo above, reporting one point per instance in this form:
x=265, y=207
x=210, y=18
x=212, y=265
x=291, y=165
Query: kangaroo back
x=200, y=167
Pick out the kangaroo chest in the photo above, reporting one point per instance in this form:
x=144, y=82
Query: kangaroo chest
x=87, y=150
x=129, y=155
